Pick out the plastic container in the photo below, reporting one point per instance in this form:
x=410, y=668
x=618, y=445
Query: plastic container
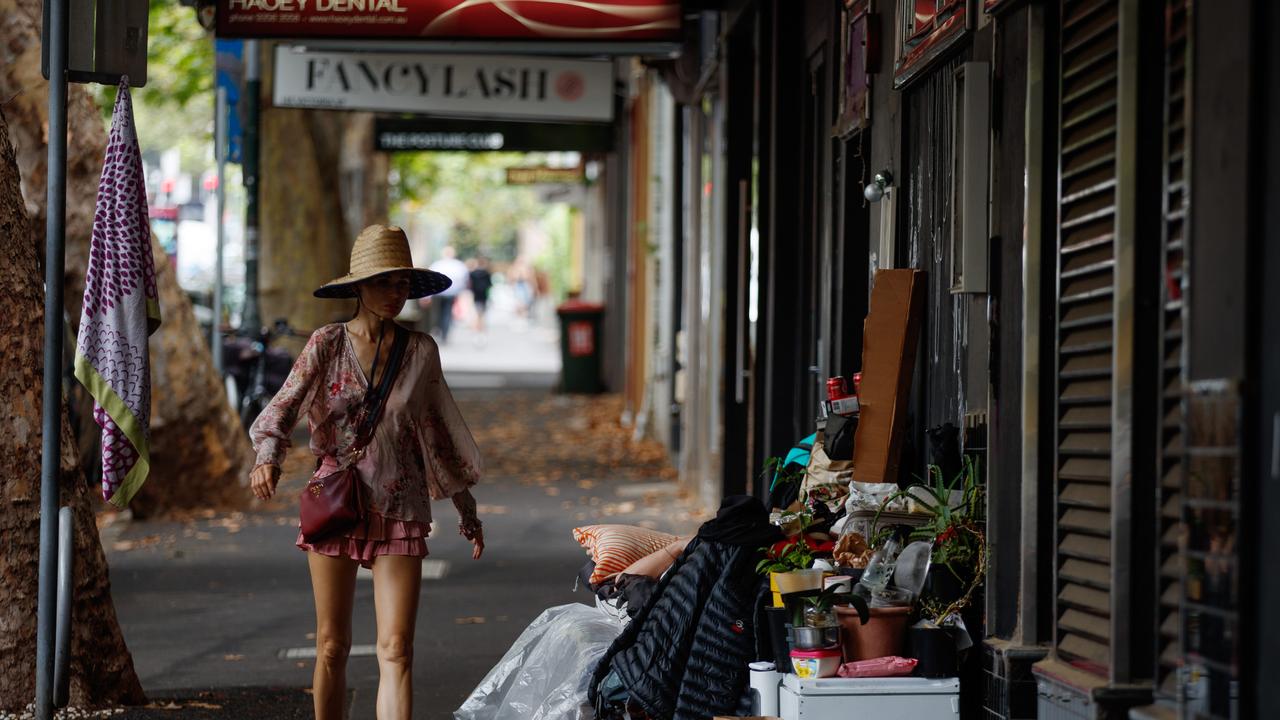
x=765, y=680
x=935, y=648
x=821, y=663
x=796, y=581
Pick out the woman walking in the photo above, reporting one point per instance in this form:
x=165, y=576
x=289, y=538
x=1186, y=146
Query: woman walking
x=408, y=445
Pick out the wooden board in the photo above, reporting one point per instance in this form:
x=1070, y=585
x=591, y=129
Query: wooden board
x=891, y=335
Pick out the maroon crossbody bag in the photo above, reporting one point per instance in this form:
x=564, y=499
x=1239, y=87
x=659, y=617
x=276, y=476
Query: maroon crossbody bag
x=334, y=503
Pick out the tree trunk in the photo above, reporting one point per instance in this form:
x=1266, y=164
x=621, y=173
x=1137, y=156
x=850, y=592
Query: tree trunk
x=200, y=455
x=321, y=184
x=101, y=667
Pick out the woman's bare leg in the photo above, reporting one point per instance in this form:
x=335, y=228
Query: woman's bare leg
x=333, y=582
x=397, y=580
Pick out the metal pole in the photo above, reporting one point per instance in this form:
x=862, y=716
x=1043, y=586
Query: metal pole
x=66, y=603
x=252, y=321
x=220, y=149
x=51, y=453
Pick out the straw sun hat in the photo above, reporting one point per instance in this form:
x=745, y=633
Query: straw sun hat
x=382, y=249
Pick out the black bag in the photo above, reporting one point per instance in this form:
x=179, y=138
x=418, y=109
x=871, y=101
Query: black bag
x=837, y=438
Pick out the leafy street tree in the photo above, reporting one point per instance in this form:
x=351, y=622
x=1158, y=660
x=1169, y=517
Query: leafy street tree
x=199, y=453
x=469, y=191
x=321, y=182
x=101, y=667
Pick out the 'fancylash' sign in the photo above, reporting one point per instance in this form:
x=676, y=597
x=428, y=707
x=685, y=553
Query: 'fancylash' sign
x=534, y=88
x=652, y=20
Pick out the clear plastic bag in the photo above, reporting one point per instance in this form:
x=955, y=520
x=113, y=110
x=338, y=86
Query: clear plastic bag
x=544, y=676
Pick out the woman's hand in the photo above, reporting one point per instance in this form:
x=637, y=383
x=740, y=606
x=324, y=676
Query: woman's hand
x=477, y=542
x=469, y=525
x=263, y=481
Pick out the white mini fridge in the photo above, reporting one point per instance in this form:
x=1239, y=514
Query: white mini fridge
x=893, y=698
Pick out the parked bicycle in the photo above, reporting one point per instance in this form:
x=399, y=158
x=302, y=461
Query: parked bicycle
x=255, y=370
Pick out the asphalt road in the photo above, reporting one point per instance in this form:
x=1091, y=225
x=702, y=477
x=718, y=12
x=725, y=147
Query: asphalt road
x=217, y=609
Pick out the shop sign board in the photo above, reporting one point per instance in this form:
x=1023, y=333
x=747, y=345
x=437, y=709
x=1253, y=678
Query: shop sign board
x=598, y=20
x=490, y=86
x=545, y=176
x=426, y=134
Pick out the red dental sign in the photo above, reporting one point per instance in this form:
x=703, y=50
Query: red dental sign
x=582, y=20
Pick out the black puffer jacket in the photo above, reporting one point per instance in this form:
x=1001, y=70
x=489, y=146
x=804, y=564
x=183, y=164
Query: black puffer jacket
x=685, y=655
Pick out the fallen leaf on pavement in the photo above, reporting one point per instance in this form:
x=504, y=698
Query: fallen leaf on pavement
x=471, y=620
x=127, y=545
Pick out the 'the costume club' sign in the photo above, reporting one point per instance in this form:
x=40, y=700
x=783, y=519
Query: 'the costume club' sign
x=536, y=88
x=461, y=19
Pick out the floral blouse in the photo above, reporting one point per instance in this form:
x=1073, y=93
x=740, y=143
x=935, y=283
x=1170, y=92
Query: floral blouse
x=421, y=449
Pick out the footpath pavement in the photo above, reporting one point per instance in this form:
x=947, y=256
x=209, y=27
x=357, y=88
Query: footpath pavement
x=217, y=608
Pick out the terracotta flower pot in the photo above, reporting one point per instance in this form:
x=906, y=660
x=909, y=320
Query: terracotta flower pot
x=882, y=635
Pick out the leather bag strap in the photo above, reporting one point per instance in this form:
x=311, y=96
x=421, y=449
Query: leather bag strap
x=376, y=398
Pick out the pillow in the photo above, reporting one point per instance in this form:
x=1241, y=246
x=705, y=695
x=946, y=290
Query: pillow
x=657, y=562
x=614, y=547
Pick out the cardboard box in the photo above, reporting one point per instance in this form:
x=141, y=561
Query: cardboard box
x=890, y=338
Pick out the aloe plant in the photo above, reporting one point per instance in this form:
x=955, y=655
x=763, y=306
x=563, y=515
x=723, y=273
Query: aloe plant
x=956, y=531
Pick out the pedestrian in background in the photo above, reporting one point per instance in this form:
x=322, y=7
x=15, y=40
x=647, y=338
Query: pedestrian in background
x=481, y=283
x=420, y=451
x=522, y=287
x=451, y=267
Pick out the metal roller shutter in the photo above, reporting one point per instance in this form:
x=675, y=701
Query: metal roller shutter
x=1171, y=559
x=1086, y=325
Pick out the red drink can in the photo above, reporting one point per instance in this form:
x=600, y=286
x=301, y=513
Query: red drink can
x=857, y=384
x=836, y=388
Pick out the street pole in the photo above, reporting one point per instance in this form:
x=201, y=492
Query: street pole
x=220, y=149
x=54, y=261
x=252, y=321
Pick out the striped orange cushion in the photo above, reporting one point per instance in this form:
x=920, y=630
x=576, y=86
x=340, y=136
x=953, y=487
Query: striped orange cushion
x=615, y=547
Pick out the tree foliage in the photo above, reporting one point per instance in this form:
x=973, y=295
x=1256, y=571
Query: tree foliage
x=467, y=193
x=175, y=108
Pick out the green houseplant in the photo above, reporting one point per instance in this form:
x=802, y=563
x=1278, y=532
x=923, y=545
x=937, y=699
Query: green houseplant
x=956, y=528
x=788, y=563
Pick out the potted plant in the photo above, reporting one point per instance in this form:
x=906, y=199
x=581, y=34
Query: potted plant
x=788, y=563
x=814, y=620
x=954, y=523
x=878, y=632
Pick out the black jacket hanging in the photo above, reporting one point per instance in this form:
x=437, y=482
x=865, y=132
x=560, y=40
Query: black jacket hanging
x=685, y=655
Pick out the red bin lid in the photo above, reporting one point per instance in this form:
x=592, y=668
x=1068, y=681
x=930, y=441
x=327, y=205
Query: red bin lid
x=579, y=306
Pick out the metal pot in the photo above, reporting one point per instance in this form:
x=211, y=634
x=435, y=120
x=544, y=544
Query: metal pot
x=814, y=638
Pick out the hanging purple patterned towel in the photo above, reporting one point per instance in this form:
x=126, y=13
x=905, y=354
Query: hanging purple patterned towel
x=121, y=310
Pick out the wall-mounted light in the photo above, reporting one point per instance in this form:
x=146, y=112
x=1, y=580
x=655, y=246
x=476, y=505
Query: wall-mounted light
x=878, y=187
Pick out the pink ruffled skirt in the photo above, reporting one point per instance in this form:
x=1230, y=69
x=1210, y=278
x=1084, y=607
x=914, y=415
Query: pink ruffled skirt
x=376, y=536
